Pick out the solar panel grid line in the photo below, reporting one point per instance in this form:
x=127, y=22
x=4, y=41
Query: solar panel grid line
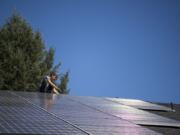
x=51, y=113
x=2, y=128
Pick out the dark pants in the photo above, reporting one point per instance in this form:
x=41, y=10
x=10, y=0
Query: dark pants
x=45, y=87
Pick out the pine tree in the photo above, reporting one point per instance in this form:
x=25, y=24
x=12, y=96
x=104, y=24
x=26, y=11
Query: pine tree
x=24, y=60
x=64, y=79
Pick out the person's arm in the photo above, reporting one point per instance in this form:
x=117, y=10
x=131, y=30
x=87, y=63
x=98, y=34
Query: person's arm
x=55, y=91
x=52, y=84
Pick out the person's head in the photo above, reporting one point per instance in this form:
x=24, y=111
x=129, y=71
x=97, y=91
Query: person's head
x=53, y=76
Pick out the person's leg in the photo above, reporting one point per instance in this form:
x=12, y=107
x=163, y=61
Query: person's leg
x=49, y=89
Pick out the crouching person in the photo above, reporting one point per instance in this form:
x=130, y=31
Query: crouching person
x=47, y=84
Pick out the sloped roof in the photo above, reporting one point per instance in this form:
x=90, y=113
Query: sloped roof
x=42, y=113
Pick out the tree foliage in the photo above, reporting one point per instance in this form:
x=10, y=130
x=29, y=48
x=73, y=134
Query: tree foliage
x=24, y=59
x=64, y=81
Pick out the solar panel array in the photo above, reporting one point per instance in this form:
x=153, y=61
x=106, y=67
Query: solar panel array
x=17, y=116
x=87, y=118
x=140, y=104
x=127, y=113
x=41, y=113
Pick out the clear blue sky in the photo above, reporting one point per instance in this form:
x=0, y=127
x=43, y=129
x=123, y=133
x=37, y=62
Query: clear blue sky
x=113, y=48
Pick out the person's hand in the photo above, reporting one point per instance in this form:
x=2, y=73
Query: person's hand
x=55, y=91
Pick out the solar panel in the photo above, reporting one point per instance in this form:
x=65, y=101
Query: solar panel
x=17, y=116
x=126, y=112
x=89, y=119
x=139, y=104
